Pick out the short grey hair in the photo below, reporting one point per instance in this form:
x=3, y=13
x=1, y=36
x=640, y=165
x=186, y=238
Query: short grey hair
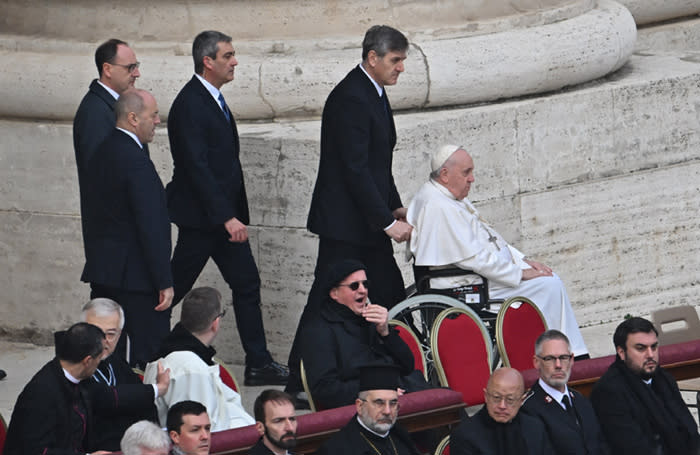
x=206, y=44
x=550, y=335
x=130, y=101
x=144, y=435
x=103, y=307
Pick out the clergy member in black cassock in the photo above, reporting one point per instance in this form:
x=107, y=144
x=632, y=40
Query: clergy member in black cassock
x=373, y=430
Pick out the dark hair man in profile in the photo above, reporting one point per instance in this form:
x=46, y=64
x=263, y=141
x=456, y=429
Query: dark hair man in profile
x=276, y=421
x=53, y=414
x=639, y=406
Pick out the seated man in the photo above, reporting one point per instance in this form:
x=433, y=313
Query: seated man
x=194, y=375
x=52, y=415
x=350, y=332
x=189, y=428
x=145, y=438
x=498, y=428
x=136, y=400
x=373, y=429
x=276, y=421
x=639, y=406
x=567, y=415
x=448, y=232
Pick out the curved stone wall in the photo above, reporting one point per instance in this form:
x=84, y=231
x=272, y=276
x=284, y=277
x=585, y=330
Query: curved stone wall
x=650, y=11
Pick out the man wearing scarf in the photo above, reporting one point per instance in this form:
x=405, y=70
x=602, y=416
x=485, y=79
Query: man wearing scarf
x=638, y=404
x=498, y=428
x=373, y=430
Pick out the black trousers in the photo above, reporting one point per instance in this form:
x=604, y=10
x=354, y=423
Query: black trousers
x=237, y=266
x=386, y=288
x=145, y=326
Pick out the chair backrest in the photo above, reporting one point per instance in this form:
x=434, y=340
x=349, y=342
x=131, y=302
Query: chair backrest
x=462, y=352
x=3, y=434
x=518, y=325
x=227, y=376
x=411, y=340
x=444, y=447
x=307, y=389
x=676, y=324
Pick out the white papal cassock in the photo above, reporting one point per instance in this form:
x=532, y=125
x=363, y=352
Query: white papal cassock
x=448, y=232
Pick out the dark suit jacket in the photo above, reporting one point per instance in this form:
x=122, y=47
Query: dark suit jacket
x=131, y=246
x=566, y=436
x=355, y=191
x=349, y=441
x=44, y=420
x=207, y=188
x=474, y=437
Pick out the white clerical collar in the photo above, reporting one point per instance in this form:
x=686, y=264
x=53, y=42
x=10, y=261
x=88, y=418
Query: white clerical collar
x=70, y=376
x=211, y=89
x=370, y=430
x=441, y=188
x=133, y=136
x=109, y=90
x=647, y=381
x=379, y=88
x=554, y=393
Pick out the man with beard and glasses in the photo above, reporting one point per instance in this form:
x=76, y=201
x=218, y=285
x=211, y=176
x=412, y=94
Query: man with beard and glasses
x=567, y=415
x=639, y=406
x=276, y=422
x=189, y=428
x=373, y=429
x=498, y=428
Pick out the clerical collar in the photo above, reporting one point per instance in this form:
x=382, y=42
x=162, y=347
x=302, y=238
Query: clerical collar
x=380, y=89
x=70, y=376
x=109, y=90
x=647, y=381
x=443, y=190
x=554, y=393
x=362, y=424
x=133, y=136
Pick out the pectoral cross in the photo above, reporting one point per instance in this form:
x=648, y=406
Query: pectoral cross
x=493, y=240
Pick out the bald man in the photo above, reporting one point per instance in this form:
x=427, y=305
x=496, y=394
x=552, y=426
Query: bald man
x=498, y=428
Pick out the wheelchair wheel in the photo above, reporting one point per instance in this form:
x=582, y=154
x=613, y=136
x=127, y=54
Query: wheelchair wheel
x=419, y=312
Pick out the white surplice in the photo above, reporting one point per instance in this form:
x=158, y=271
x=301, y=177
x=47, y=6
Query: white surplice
x=448, y=232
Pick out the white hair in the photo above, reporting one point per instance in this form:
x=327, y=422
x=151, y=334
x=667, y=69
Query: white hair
x=102, y=307
x=144, y=435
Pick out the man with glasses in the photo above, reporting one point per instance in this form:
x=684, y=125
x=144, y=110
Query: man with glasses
x=349, y=332
x=188, y=353
x=373, y=429
x=135, y=400
x=498, y=428
x=567, y=415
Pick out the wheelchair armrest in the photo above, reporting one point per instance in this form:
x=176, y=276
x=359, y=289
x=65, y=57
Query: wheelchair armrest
x=423, y=274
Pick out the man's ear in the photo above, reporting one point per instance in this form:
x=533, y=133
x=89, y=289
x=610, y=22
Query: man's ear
x=334, y=293
x=260, y=427
x=174, y=436
x=620, y=352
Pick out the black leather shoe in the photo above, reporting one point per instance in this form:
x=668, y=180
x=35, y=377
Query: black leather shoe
x=271, y=374
x=2, y=374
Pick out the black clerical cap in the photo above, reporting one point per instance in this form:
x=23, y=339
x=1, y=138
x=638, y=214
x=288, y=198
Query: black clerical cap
x=381, y=376
x=339, y=270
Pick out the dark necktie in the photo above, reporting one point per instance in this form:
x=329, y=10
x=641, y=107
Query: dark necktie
x=224, y=107
x=569, y=408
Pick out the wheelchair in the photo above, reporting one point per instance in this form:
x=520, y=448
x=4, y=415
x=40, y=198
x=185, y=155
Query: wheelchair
x=425, y=303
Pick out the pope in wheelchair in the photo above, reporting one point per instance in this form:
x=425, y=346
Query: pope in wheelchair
x=448, y=232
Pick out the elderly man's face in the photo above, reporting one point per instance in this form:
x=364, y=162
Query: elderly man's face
x=355, y=299
x=554, y=363
x=503, y=398
x=110, y=326
x=194, y=435
x=458, y=175
x=641, y=354
x=379, y=409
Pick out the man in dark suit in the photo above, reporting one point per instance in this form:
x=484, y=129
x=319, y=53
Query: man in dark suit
x=128, y=257
x=136, y=400
x=276, y=421
x=640, y=408
x=567, y=415
x=207, y=199
x=356, y=209
x=498, y=428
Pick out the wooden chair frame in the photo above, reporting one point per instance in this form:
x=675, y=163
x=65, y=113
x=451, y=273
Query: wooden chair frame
x=444, y=443
x=305, y=383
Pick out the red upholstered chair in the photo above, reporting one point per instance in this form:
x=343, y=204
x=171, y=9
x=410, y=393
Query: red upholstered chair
x=3, y=434
x=227, y=376
x=518, y=325
x=462, y=352
x=411, y=340
x=444, y=447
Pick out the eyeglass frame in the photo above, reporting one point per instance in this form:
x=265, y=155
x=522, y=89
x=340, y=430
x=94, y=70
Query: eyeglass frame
x=355, y=285
x=509, y=401
x=131, y=67
x=564, y=358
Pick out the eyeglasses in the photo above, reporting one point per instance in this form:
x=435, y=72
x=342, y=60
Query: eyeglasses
x=131, y=67
x=565, y=358
x=497, y=399
x=355, y=285
x=222, y=314
x=379, y=403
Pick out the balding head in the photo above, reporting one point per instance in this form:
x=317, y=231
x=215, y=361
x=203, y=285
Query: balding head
x=504, y=392
x=137, y=111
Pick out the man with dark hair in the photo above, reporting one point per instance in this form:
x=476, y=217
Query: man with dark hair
x=207, y=199
x=53, y=414
x=639, y=406
x=128, y=258
x=349, y=332
x=189, y=428
x=373, y=429
x=276, y=421
x=567, y=415
x=188, y=353
x=498, y=428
